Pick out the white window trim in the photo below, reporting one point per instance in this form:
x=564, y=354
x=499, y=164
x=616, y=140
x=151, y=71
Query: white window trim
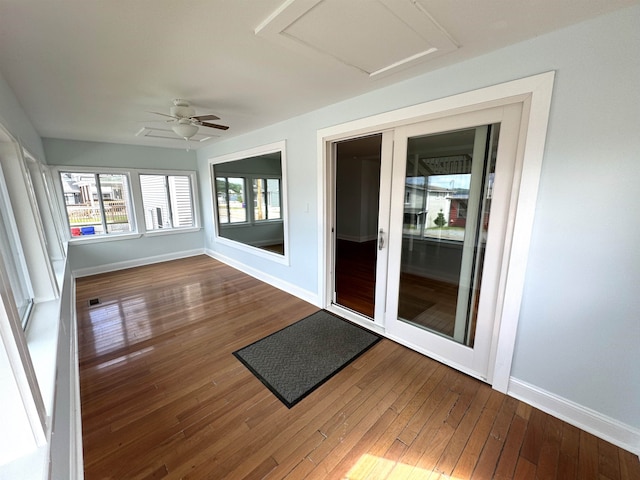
x=254, y=152
x=534, y=93
x=137, y=205
x=249, y=196
x=193, y=180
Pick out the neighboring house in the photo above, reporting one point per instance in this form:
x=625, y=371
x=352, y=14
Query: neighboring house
x=576, y=345
x=458, y=209
x=421, y=210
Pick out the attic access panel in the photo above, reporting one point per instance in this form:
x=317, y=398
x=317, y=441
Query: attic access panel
x=376, y=37
x=155, y=132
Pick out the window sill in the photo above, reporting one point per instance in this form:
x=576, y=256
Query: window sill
x=42, y=340
x=171, y=231
x=103, y=238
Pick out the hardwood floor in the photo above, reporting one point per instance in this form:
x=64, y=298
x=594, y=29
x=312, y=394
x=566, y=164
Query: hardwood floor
x=163, y=397
x=426, y=302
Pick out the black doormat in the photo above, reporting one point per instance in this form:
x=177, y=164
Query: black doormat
x=296, y=360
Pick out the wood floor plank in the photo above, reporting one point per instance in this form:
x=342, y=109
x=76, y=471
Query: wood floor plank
x=608, y=463
x=525, y=470
x=162, y=396
x=534, y=436
x=629, y=465
x=458, y=442
x=588, y=458
x=471, y=453
x=511, y=451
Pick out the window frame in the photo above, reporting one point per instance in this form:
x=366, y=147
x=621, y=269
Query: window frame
x=191, y=175
x=249, y=199
x=96, y=172
x=16, y=267
x=280, y=147
x=136, y=201
x=265, y=197
x=247, y=218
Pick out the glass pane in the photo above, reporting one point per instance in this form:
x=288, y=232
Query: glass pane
x=447, y=196
x=237, y=208
x=273, y=198
x=13, y=257
x=221, y=198
x=181, y=200
x=82, y=203
x=115, y=198
x=154, y=201
x=259, y=197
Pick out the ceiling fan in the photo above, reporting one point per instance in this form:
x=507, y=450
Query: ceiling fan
x=184, y=121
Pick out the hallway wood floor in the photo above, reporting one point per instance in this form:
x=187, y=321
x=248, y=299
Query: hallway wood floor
x=163, y=397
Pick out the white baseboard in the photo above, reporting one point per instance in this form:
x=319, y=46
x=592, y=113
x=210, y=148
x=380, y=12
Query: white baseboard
x=609, y=429
x=306, y=295
x=138, y=262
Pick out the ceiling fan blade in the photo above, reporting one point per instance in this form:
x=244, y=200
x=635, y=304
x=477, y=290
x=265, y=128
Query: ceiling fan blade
x=203, y=118
x=163, y=114
x=213, y=125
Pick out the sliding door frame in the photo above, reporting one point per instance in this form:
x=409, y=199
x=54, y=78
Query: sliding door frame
x=534, y=95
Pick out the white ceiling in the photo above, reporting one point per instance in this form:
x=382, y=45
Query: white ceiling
x=93, y=69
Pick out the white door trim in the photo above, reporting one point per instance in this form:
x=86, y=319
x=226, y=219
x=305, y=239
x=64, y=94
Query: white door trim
x=534, y=93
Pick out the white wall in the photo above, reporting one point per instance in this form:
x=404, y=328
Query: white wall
x=579, y=332
x=92, y=257
x=13, y=118
x=18, y=402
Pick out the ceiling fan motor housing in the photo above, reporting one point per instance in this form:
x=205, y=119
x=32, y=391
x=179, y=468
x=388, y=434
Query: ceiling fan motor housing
x=182, y=109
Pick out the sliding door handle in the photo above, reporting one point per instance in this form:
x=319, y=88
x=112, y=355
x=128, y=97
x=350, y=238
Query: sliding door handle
x=381, y=239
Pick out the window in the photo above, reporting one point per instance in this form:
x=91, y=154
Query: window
x=13, y=257
x=97, y=203
x=462, y=209
x=266, y=199
x=167, y=201
x=231, y=199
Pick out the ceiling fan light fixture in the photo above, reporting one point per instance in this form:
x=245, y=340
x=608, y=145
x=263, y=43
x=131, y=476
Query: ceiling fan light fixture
x=185, y=130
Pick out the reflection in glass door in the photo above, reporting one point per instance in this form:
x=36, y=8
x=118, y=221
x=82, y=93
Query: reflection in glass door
x=448, y=189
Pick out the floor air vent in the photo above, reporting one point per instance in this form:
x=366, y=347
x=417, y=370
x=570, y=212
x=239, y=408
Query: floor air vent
x=94, y=301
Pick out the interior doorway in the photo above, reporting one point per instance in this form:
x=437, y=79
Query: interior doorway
x=357, y=203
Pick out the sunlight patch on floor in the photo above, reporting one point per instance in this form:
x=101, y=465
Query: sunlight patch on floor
x=389, y=470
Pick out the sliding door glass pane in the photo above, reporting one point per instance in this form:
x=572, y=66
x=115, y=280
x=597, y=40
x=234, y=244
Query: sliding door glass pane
x=448, y=186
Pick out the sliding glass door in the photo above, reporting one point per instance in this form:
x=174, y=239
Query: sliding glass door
x=420, y=253
x=446, y=239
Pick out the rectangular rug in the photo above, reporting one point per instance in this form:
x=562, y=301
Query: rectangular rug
x=296, y=360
